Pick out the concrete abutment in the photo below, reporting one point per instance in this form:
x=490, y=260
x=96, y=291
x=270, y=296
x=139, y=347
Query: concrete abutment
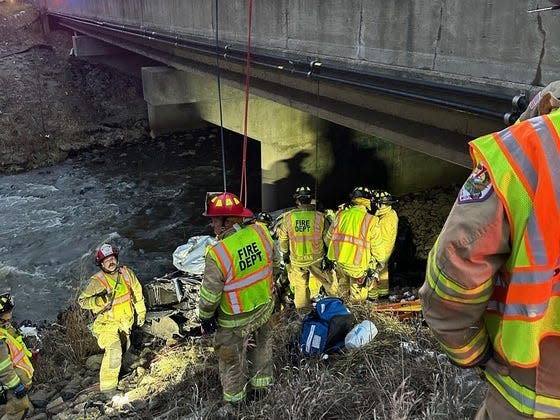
x=297, y=148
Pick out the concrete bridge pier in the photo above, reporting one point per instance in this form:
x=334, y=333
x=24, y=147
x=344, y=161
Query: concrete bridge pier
x=289, y=138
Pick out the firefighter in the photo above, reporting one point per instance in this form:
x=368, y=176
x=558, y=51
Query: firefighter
x=355, y=245
x=16, y=370
x=114, y=295
x=265, y=219
x=236, y=299
x=300, y=237
x=381, y=204
x=493, y=276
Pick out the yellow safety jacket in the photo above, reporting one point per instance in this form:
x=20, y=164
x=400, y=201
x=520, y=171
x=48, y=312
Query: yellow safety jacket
x=388, y=225
x=524, y=162
x=19, y=359
x=350, y=240
x=245, y=259
x=304, y=229
x=123, y=290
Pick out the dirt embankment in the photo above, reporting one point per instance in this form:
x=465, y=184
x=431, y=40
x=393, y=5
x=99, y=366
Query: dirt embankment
x=53, y=105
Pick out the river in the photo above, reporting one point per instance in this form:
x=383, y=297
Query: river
x=146, y=198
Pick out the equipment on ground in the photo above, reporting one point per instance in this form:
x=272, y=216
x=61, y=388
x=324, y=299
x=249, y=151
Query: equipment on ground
x=402, y=310
x=360, y=335
x=325, y=327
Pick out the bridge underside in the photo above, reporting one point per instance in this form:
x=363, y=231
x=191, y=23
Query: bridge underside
x=430, y=128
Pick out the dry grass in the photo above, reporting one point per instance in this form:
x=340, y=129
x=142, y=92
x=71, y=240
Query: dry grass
x=11, y=7
x=67, y=343
x=398, y=376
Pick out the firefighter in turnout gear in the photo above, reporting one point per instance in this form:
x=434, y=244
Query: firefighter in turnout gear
x=300, y=237
x=16, y=370
x=114, y=294
x=236, y=297
x=355, y=245
x=491, y=294
x=381, y=204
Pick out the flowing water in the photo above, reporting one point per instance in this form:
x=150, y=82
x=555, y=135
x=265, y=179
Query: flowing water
x=147, y=199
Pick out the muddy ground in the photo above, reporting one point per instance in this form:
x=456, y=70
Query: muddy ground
x=53, y=105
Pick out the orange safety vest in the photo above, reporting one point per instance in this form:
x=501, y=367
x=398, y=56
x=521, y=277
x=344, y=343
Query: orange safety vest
x=245, y=259
x=123, y=295
x=524, y=164
x=350, y=245
x=19, y=353
x=305, y=233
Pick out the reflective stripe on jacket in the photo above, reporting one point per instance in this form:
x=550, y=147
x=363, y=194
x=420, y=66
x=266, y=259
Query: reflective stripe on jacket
x=304, y=231
x=19, y=357
x=350, y=240
x=120, y=290
x=245, y=259
x=524, y=165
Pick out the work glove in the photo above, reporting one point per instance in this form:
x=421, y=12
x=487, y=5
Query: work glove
x=207, y=326
x=20, y=391
x=140, y=319
x=102, y=298
x=326, y=264
x=286, y=258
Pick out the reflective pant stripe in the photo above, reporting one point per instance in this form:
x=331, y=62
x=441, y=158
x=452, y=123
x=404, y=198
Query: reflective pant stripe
x=523, y=399
x=261, y=381
x=235, y=397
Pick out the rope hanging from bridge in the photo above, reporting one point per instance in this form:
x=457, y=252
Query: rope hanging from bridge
x=220, y=99
x=243, y=190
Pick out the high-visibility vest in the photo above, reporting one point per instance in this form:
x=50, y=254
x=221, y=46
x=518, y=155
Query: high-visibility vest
x=122, y=301
x=19, y=353
x=524, y=164
x=245, y=259
x=305, y=233
x=350, y=245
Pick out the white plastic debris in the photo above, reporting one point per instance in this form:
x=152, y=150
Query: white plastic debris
x=29, y=332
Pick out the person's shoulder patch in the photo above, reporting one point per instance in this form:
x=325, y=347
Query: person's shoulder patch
x=477, y=188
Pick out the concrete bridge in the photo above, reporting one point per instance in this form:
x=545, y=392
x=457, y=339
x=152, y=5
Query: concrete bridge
x=426, y=77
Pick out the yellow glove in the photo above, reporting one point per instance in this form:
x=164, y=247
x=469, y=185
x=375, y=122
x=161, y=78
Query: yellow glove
x=140, y=319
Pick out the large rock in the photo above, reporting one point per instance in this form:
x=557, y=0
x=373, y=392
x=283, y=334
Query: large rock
x=56, y=406
x=41, y=397
x=94, y=362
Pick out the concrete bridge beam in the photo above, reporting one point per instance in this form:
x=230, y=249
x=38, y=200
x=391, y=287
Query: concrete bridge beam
x=289, y=137
x=87, y=46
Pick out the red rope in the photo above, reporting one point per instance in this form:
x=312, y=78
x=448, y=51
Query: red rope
x=243, y=193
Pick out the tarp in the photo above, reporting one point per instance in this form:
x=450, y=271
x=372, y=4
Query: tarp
x=190, y=256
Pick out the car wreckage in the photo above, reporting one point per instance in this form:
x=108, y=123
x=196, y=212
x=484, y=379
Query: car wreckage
x=172, y=300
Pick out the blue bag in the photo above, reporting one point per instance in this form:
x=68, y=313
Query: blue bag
x=324, y=329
